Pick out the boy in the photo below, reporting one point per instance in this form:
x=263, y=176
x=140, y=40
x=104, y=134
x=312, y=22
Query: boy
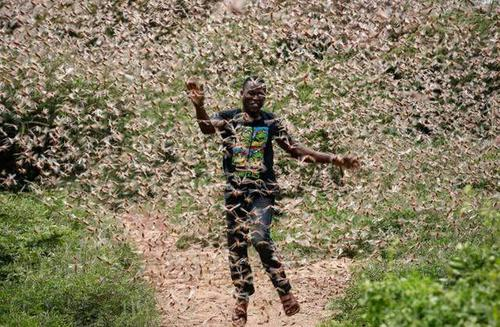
x=247, y=135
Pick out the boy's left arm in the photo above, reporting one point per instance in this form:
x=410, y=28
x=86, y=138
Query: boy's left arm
x=301, y=152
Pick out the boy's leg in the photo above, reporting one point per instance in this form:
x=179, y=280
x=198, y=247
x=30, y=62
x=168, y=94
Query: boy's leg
x=261, y=218
x=237, y=231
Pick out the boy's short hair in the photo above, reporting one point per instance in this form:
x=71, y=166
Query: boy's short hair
x=255, y=79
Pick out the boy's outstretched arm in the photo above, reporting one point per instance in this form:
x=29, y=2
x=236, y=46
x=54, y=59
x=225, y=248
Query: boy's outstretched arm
x=300, y=152
x=197, y=97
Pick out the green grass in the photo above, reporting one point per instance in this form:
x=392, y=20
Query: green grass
x=462, y=291
x=433, y=271
x=56, y=270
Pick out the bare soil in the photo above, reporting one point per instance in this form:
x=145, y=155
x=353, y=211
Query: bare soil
x=193, y=286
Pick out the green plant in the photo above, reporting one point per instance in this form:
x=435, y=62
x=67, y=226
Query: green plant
x=57, y=270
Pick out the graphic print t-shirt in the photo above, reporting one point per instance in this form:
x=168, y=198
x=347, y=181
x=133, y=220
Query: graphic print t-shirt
x=248, y=151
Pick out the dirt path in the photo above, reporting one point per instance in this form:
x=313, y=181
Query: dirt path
x=194, y=289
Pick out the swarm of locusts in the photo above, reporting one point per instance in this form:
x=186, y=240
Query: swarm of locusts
x=92, y=96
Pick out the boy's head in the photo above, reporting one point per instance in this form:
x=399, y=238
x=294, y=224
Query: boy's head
x=253, y=95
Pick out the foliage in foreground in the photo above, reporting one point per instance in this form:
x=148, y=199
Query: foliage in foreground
x=452, y=285
x=54, y=272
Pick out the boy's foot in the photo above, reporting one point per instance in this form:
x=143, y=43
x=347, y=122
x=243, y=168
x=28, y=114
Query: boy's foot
x=240, y=313
x=290, y=304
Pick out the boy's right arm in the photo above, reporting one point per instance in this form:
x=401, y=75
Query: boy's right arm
x=197, y=97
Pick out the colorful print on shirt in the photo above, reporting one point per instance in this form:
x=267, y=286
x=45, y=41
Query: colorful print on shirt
x=248, y=152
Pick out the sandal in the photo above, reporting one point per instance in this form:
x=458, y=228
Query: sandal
x=240, y=313
x=290, y=304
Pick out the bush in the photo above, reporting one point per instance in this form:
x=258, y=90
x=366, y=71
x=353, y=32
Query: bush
x=53, y=272
x=52, y=125
x=470, y=299
x=452, y=285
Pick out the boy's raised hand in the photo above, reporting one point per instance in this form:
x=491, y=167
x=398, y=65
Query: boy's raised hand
x=195, y=93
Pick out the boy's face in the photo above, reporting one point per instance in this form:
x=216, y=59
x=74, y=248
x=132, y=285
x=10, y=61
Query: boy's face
x=253, y=96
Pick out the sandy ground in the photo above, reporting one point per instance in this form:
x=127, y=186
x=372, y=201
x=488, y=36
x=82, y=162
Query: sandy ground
x=193, y=286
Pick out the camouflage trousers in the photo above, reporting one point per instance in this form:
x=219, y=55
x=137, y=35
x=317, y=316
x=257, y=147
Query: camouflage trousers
x=248, y=218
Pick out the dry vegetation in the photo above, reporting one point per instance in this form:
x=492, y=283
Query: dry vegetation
x=92, y=98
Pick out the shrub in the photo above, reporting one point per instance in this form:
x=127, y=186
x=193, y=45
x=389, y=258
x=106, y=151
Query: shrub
x=470, y=299
x=54, y=124
x=452, y=285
